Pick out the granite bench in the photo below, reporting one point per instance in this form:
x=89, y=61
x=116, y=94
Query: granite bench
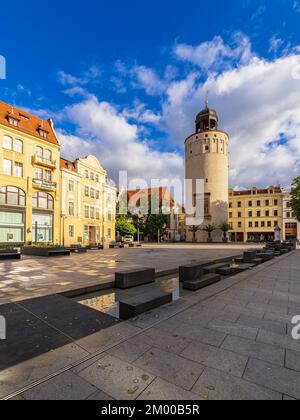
x=202, y=282
x=134, y=278
x=132, y=307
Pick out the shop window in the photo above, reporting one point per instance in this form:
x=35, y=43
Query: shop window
x=12, y=196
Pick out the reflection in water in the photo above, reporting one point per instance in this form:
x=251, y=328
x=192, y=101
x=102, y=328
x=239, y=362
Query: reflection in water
x=108, y=302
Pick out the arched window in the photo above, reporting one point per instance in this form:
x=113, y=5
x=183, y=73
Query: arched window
x=41, y=200
x=7, y=142
x=48, y=155
x=39, y=152
x=18, y=146
x=12, y=196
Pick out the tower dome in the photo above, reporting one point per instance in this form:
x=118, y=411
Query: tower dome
x=207, y=119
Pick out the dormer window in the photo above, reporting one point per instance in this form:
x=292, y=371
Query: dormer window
x=43, y=133
x=13, y=121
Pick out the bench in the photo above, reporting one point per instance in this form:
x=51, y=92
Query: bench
x=213, y=268
x=13, y=255
x=249, y=256
x=132, y=307
x=191, y=271
x=202, y=282
x=134, y=278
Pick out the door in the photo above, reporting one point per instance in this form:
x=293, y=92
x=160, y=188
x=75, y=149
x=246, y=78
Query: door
x=92, y=235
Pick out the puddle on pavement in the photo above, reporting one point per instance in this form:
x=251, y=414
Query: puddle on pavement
x=107, y=301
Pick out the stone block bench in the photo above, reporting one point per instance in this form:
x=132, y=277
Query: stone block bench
x=191, y=271
x=212, y=269
x=46, y=252
x=249, y=256
x=134, y=278
x=132, y=307
x=201, y=282
x=9, y=254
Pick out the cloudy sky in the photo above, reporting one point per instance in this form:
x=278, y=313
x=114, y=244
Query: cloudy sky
x=124, y=80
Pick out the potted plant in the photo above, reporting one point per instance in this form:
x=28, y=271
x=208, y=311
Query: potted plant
x=225, y=228
x=209, y=229
x=194, y=230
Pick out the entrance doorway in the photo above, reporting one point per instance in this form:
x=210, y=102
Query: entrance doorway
x=92, y=234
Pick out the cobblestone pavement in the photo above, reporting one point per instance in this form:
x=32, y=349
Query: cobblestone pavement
x=230, y=341
x=33, y=277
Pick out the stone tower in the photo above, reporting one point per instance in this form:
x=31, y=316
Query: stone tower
x=207, y=158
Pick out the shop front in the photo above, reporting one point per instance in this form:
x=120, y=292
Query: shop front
x=12, y=215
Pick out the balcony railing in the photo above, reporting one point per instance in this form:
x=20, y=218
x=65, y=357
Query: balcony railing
x=43, y=184
x=39, y=160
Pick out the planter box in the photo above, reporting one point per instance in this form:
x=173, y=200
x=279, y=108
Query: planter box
x=46, y=252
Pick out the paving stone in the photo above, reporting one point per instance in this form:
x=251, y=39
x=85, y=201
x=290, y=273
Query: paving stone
x=168, y=366
x=293, y=360
x=109, y=337
x=252, y=348
x=130, y=350
x=216, y=385
x=161, y=390
x=216, y=358
x=268, y=308
x=114, y=377
x=204, y=335
x=66, y=386
x=283, y=341
x=100, y=396
x=233, y=329
x=273, y=377
x=273, y=326
x=17, y=377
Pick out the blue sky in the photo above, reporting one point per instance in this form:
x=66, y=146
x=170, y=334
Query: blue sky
x=124, y=79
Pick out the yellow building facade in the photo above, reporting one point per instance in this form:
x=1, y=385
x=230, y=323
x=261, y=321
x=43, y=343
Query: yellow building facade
x=29, y=178
x=88, y=203
x=254, y=214
x=46, y=199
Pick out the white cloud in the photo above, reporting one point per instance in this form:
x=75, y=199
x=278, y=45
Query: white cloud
x=103, y=131
x=275, y=44
x=146, y=78
x=214, y=55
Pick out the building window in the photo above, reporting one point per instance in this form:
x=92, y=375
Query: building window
x=92, y=193
x=48, y=175
x=97, y=194
x=71, y=208
x=239, y=224
x=275, y=223
x=18, y=170
x=48, y=155
x=86, y=191
x=230, y=205
x=41, y=200
x=18, y=146
x=258, y=204
x=239, y=214
x=256, y=224
x=39, y=153
x=97, y=178
x=7, y=143
x=258, y=214
x=267, y=213
x=269, y=224
x=250, y=204
x=86, y=174
x=275, y=202
x=38, y=173
x=12, y=226
x=239, y=204
x=267, y=202
x=263, y=224
x=250, y=214
x=42, y=228
x=250, y=224
x=92, y=212
x=276, y=213
x=230, y=215
x=92, y=176
x=71, y=186
x=86, y=212
x=109, y=216
x=109, y=234
x=71, y=231
x=13, y=121
x=7, y=167
x=12, y=196
x=97, y=214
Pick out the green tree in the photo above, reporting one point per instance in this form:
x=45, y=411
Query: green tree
x=124, y=227
x=209, y=229
x=194, y=230
x=295, y=201
x=225, y=228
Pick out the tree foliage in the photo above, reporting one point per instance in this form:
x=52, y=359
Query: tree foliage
x=295, y=200
x=124, y=227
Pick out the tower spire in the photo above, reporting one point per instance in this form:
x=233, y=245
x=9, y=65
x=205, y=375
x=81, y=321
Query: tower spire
x=206, y=99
